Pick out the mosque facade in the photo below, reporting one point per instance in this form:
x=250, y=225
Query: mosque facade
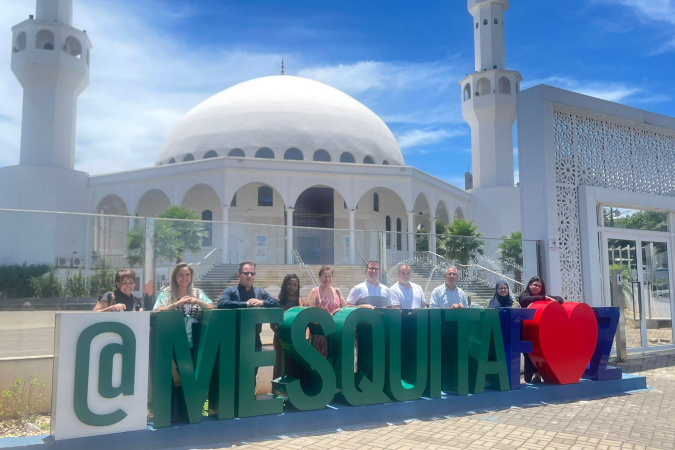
x=301, y=156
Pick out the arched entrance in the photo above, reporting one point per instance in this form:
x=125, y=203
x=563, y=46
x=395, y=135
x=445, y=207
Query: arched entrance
x=315, y=208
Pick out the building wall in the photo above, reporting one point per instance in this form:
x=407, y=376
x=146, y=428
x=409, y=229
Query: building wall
x=568, y=141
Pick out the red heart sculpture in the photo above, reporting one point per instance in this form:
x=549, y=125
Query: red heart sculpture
x=563, y=338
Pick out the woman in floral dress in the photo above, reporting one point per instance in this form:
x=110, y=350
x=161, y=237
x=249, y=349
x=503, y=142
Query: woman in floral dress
x=328, y=298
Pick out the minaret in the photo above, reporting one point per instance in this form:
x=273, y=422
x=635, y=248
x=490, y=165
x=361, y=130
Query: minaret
x=489, y=98
x=50, y=59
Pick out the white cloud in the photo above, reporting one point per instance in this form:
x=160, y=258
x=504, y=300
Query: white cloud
x=142, y=81
x=652, y=10
x=384, y=76
x=417, y=138
x=612, y=91
x=144, y=78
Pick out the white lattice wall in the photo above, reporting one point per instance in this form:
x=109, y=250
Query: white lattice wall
x=593, y=149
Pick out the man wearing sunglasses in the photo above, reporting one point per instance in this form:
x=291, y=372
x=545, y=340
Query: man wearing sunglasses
x=245, y=295
x=371, y=293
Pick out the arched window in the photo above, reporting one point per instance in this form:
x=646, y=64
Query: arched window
x=294, y=154
x=504, y=86
x=265, y=153
x=399, y=235
x=483, y=87
x=385, y=163
x=188, y=157
x=496, y=21
x=387, y=226
x=265, y=196
x=234, y=200
x=44, y=40
x=172, y=161
x=376, y=202
x=484, y=21
x=346, y=157
x=459, y=214
x=368, y=160
x=20, y=42
x=236, y=152
x=207, y=240
x=321, y=155
x=467, y=91
x=73, y=47
x=211, y=154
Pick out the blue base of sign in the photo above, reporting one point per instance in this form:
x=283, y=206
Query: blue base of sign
x=213, y=432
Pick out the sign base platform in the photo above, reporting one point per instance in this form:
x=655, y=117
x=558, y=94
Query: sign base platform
x=336, y=415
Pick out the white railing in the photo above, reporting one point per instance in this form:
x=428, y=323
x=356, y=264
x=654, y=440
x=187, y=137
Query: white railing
x=303, y=267
x=211, y=259
x=469, y=271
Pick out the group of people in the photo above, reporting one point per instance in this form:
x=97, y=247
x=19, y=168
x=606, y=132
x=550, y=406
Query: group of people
x=404, y=294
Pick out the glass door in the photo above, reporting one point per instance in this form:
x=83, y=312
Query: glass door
x=655, y=278
x=643, y=289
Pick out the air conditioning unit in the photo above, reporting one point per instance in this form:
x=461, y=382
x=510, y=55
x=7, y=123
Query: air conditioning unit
x=64, y=262
x=77, y=262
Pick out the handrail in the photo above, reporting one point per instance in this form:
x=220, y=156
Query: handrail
x=361, y=255
x=476, y=271
x=301, y=264
x=503, y=277
x=211, y=259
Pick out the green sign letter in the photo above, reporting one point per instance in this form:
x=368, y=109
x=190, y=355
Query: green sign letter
x=316, y=389
x=128, y=351
x=366, y=386
x=406, y=376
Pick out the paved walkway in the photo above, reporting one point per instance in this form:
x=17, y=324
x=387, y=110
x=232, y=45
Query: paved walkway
x=636, y=421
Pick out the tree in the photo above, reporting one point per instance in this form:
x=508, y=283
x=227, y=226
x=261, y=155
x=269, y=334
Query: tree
x=511, y=254
x=422, y=239
x=172, y=237
x=460, y=242
x=640, y=220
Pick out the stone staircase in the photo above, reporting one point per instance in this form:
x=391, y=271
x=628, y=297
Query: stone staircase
x=214, y=282
x=478, y=291
x=269, y=277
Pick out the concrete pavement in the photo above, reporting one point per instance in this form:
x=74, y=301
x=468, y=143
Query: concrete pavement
x=639, y=420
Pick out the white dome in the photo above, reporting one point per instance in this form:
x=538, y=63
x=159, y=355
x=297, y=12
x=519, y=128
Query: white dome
x=281, y=113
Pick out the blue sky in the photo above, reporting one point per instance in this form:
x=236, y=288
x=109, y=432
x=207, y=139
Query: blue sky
x=154, y=60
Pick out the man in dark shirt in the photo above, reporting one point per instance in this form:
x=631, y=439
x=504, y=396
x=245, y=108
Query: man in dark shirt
x=245, y=295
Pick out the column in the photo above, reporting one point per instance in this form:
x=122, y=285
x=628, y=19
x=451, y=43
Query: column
x=411, y=233
x=352, y=237
x=289, y=235
x=225, y=236
x=149, y=263
x=432, y=235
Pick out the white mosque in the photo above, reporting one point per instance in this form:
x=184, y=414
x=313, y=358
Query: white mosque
x=291, y=152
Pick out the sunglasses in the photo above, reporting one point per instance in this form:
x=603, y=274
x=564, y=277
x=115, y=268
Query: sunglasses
x=252, y=274
x=373, y=269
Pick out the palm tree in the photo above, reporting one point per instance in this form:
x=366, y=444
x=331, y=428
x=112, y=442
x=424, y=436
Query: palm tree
x=461, y=242
x=511, y=254
x=172, y=237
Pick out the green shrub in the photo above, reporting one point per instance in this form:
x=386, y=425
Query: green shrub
x=76, y=285
x=15, y=279
x=23, y=399
x=102, y=280
x=47, y=285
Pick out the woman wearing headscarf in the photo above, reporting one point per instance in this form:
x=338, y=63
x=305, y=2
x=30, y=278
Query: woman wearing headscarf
x=535, y=292
x=502, y=297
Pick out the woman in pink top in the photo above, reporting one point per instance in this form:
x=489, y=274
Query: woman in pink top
x=328, y=298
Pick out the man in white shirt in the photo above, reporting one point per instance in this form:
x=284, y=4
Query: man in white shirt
x=448, y=295
x=404, y=294
x=371, y=293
